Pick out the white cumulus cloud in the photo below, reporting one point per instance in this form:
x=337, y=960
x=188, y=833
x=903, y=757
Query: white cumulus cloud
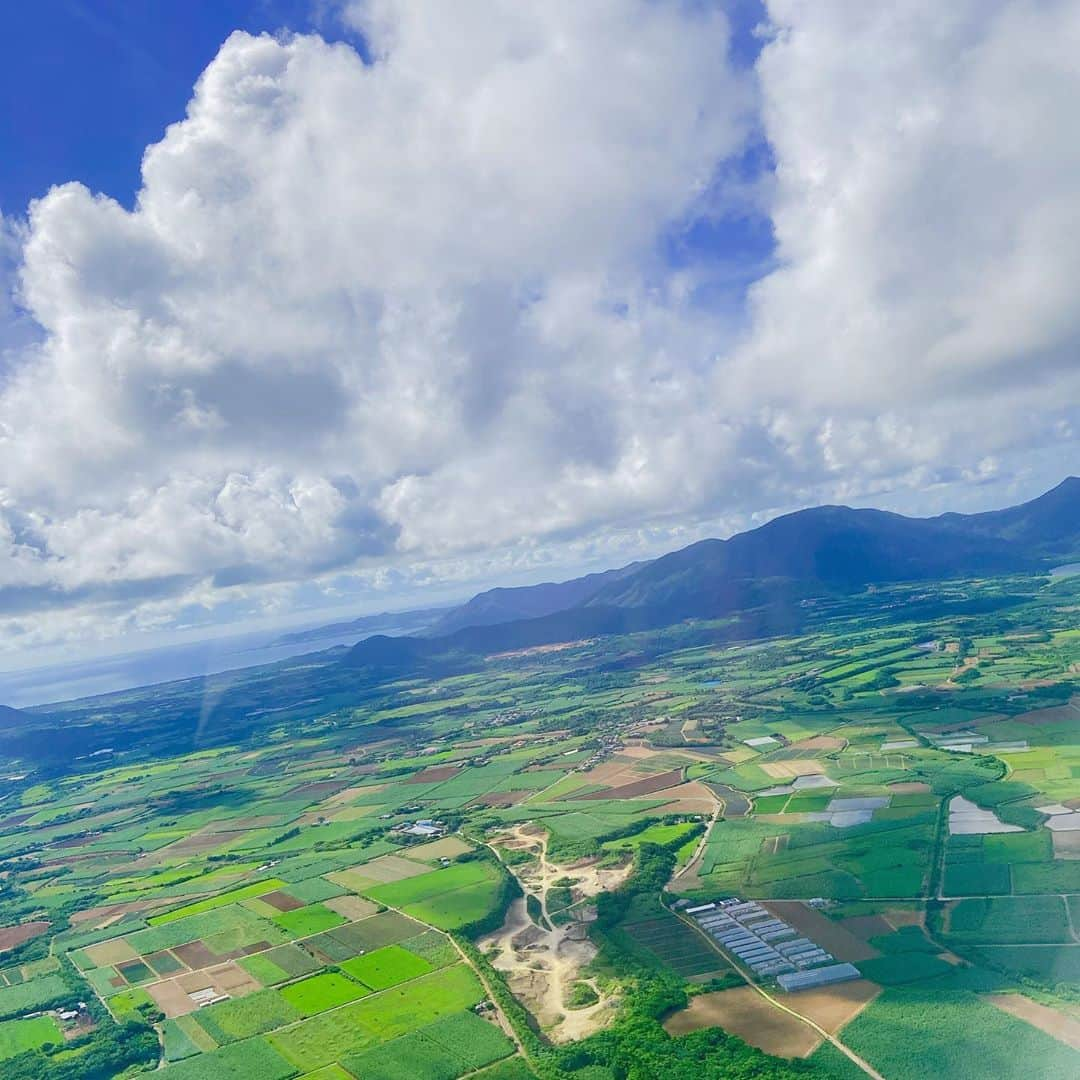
x=381, y=317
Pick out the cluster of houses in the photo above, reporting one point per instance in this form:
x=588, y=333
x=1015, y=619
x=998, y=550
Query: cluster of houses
x=424, y=828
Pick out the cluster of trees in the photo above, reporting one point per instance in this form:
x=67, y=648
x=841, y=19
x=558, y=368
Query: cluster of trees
x=638, y=1048
x=508, y=891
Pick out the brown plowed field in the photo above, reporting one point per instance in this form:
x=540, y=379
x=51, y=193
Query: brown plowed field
x=10, y=936
x=196, y=955
x=830, y=935
x=434, y=774
x=831, y=1007
x=866, y=926
x=637, y=788
x=819, y=742
x=501, y=799
x=282, y=901
x=691, y=798
x=744, y=1012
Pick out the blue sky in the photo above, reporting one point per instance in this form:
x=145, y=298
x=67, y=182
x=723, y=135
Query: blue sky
x=95, y=81
x=492, y=292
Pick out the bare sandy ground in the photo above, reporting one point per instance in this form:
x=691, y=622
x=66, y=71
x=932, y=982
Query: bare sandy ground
x=542, y=965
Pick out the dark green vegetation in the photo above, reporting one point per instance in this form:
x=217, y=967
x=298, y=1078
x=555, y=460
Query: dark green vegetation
x=245, y=837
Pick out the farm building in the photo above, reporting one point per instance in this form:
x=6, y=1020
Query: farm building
x=805, y=980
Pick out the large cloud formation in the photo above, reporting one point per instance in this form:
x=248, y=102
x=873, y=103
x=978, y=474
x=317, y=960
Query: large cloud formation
x=421, y=306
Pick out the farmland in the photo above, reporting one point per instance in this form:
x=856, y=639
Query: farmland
x=332, y=889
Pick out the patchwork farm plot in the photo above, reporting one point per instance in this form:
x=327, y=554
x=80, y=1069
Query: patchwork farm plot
x=300, y=895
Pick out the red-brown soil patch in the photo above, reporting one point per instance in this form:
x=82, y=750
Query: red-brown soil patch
x=691, y=798
x=501, y=798
x=196, y=955
x=433, y=774
x=282, y=901
x=10, y=936
x=634, y=790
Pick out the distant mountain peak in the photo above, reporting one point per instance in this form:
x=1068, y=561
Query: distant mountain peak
x=817, y=551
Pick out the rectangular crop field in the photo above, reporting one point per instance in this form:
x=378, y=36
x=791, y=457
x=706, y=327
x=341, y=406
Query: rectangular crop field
x=252, y=1059
x=221, y=900
x=1008, y=920
x=240, y=1018
x=447, y=898
x=447, y=1049
x=386, y=967
x=317, y=993
x=280, y=964
x=386, y=928
x=310, y=920
x=31, y=995
x=335, y=1035
x=677, y=946
x=431, y=883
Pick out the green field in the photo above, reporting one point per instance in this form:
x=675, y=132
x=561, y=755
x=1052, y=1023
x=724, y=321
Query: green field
x=355, y=1027
x=914, y=1034
x=240, y=1018
x=252, y=1059
x=252, y=853
x=386, y=967
x=310, y=920
x=1009, y=920
x=317, y=993
x=447, y=1049
x=17, y=1036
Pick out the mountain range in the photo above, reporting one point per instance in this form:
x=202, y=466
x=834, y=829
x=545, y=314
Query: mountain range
x=825, y=550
